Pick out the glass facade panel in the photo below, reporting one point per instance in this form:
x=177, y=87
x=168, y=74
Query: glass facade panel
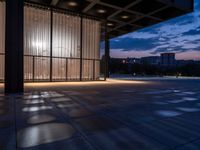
x=2, y=59
x=66, y=35
x=87, y=70
x=28, y=67
x=66, y=44
x=36, y=44
x=2, y=39
x=42, y=68
x=97, y=70
x=91, y=38
x=36, y=32
x=59, y=69
x=60, y=59
x=73, y=69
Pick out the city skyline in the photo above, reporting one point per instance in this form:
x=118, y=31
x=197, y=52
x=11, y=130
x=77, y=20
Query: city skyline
x=158, y=55
x=180, y=35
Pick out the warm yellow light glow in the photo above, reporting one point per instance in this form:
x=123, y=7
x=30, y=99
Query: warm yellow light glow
x=122, y=81
x=124, y=17
x=109, y=24
x=89, y=83
x=1, y=86
x=101, y=11
x=36, y=108
x=73, y=4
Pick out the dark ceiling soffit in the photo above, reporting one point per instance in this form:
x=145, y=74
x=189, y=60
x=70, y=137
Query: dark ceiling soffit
x=86, y=15
x=58, y=9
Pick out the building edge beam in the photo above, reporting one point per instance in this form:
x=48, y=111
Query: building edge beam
x=14, y=74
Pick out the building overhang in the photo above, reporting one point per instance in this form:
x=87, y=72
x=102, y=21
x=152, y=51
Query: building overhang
x=124, y=16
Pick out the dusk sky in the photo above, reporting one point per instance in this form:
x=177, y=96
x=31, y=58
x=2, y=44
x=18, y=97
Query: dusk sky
x=180, y=35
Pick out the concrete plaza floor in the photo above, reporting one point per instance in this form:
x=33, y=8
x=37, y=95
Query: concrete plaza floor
x=111, y=115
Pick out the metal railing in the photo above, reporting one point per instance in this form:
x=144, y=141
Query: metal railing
x=32, y=67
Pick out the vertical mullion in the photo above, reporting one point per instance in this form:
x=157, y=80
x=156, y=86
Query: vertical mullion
x=66, y=68
x=105, y=38
x=81, y=48
x=94, y=69
x=51, y=43
x=33, y=71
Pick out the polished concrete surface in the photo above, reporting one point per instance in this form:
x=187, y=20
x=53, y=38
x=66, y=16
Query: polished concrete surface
x=112, y=115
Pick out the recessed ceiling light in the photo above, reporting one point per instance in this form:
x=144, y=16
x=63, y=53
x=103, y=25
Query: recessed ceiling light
x=124, y=17
x=109, y=24
x=72, y=3
x=101, y=11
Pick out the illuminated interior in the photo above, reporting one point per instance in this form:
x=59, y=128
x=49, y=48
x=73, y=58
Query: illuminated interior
x=52, y=50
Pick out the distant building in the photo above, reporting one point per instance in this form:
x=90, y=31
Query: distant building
x=186, y=62
x=119, y=60
x=133, y=60
x=167, y=59
x=151, y=60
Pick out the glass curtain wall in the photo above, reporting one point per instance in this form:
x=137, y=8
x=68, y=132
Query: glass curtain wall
x=2, y=39
x=91, y=53
x=60, y=59
x=66, y=46
x=36, y=44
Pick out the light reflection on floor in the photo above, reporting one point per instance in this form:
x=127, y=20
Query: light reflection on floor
x=168, y=113
x=44, y=133
x=41, y=118
x=190, y=98
x=60, y=99
x=186, y=109
x=176, y=101
x=36, y=108
x=36, y=101
x=31, y=97
x=67, y=105
x=113, y=115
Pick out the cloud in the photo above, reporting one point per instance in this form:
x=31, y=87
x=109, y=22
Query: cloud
x=127, y=44
x=140, y=35
x=193, y=32
x=179, y=35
